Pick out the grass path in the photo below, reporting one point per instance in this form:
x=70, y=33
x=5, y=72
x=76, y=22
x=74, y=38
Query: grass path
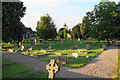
x=101, y=67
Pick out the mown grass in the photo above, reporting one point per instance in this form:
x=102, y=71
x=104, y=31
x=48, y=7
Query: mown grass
x=11, y=69
x=67, y=48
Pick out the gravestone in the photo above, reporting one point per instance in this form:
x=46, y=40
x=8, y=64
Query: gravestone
x=10, y=50
x=35, y=41
x=62, y=60
x=31, y=55
x=52, y=69
x=50, y=47
x=58, y=53
x=78, y=39
x=79, y=50
x=62, y=41
x=19, y=43
x=22, y=42
x=76, y=45
x=29, y=48
x=87, y=56
x=22, y=48
x=9, y=43
x=43, y=50
x=75, y=55
x=87, y=45
x=50, y=44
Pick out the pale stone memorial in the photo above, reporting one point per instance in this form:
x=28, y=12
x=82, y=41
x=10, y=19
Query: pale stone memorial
x=10, y=50
x=43, y=50
x=58, y=53
x=52, y=69
x=22, y=48
x=75, y=55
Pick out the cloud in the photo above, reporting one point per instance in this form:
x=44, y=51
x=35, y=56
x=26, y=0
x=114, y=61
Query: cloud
x=43, y=3
x=71, y=21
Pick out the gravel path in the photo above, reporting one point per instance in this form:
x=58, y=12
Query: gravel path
x=101, y=66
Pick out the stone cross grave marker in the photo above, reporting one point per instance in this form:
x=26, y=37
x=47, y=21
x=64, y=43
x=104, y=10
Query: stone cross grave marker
x=52, y=68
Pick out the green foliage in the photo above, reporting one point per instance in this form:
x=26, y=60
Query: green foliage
x=11, y=15
x=46, y=28
x=11, y=69
x=76, y=32
x=85, y=26
x=104, y=21
x=62, y=33
x=65, y=30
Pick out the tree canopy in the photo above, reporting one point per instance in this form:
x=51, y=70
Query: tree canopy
x=85, y=26
x=62, y=31
x=46, y=28
x=75, y=33
x=105, y=20
x=12, y=12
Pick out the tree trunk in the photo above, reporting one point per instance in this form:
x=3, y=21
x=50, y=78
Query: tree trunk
x=108, y=42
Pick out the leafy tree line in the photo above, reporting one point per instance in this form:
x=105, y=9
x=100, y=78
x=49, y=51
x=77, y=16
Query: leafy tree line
x=101, y=23
x=12, y=12
x=104, y=21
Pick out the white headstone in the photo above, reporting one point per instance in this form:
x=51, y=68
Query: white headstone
x=22, y=47
x=78, y=39
x=75, y=55
x=87, y=56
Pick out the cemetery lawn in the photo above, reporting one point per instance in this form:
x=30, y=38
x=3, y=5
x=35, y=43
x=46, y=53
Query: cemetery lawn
x=11, y=69
x=66, y=48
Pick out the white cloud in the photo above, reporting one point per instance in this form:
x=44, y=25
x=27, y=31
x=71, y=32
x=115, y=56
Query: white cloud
x=69, y=20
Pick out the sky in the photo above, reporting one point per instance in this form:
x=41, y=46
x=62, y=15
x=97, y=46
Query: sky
x=70, y=12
